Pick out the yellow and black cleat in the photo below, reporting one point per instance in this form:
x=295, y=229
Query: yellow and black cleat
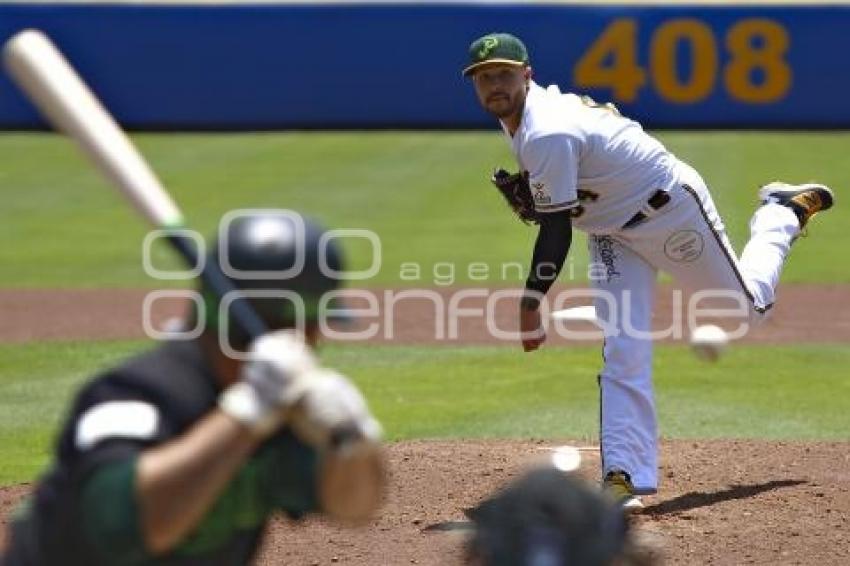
x=618, y=484
x=805, y=200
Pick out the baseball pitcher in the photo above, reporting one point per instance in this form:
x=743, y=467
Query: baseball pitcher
x=582, y=164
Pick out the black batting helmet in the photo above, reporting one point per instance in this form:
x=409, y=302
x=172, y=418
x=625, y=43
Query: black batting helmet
x=283, y=263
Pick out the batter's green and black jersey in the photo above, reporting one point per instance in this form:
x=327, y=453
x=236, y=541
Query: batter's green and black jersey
x=75, y=518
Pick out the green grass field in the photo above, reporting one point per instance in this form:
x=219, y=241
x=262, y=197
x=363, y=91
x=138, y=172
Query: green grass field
x=427, y=196
x=417, y=392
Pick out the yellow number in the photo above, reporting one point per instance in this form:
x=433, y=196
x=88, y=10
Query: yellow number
x=663, y=61
x=767, y=55
x=611, y=62
x=756, y=72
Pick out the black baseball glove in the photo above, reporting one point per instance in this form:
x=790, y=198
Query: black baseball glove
x=517, y=192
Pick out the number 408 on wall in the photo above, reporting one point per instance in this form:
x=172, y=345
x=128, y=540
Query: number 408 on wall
x=755, y=72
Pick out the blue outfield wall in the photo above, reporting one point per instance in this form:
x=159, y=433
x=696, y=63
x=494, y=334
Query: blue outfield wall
x=379, y=65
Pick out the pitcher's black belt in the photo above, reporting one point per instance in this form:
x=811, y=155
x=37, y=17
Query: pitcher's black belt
x=658, y=199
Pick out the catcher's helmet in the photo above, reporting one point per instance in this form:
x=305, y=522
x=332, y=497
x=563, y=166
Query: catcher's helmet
x=547, y=517
x=280, y=254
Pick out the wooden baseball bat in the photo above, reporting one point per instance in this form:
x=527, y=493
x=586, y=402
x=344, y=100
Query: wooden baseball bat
x=56, y=89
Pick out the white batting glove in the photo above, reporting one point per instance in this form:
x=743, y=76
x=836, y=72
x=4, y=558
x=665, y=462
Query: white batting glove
x=332, y=416
x=332, y=413
x=272, y=380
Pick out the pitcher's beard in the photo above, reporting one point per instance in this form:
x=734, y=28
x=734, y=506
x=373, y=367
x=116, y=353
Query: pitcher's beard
x=505, y=107
x=502, y=112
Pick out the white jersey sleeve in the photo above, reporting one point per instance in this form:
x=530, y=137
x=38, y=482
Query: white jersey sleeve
x=574, y=148
x=552, y=164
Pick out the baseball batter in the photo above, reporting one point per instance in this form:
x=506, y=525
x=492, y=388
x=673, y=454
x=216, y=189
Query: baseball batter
x=181, y=455
x=644, y=210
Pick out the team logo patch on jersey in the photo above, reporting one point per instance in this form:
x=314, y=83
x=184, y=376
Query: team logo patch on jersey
x=684, y=246
x=541, y=196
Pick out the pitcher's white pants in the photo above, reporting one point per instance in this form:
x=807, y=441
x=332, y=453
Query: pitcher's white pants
x=687, y=239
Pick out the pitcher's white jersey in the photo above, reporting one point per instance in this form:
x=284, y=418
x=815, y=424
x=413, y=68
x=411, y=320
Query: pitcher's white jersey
x=587, y=157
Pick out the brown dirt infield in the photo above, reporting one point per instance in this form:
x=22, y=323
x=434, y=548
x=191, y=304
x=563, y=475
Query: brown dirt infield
x=804, y=313
x=724, y=502
x=721, y=502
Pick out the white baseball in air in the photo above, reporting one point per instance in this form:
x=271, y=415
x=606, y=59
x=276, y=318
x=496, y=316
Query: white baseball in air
x=708, y=342
x=566, y=458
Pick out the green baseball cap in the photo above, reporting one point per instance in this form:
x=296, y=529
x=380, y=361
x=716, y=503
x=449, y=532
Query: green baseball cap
x=496, y=48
